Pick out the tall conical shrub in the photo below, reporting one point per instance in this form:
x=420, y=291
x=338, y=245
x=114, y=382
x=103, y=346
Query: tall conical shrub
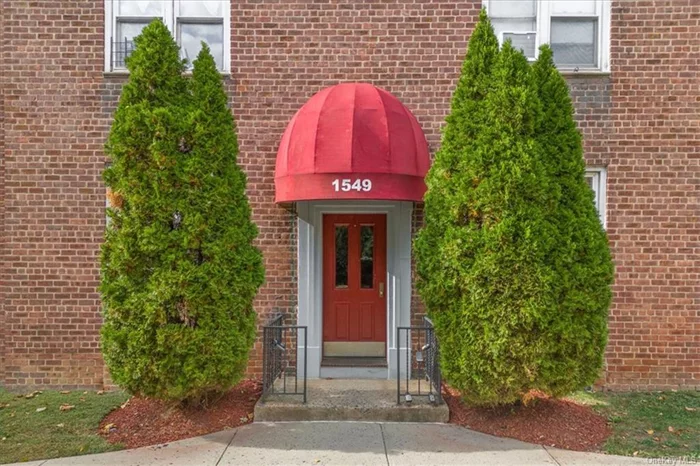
x=581, y=258
x=179, y=271
x=501, y=225
x=466, y=112
x=140, y=219
x=447, y=197
x=487, y=285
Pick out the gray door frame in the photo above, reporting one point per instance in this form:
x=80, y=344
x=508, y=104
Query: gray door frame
x=310, y=272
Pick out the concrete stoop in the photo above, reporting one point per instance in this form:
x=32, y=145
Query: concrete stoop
x=349, y=400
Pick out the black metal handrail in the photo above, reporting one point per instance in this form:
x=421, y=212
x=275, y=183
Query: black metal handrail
x=281, y=372
x=121, y=49
x=421, y=363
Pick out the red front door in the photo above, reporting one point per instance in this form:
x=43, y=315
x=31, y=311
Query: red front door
x=354, y=285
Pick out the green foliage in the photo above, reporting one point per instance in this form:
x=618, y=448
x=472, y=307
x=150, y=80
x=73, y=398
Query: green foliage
x=581, y=255
x=179, y=269
x=517, y=300
x=466, y=116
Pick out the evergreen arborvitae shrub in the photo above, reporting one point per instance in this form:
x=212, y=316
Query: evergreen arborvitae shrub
x=179, y=271
x=464, y=123
x=581, y=258
x=484, y=257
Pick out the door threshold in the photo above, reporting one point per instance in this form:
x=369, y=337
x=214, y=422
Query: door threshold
x=350, y=361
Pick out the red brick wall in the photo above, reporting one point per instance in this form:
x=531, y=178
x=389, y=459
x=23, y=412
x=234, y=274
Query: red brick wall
x=2, y=195
x=58, y=107
x=53, y=197
x=284, y=52
x=653, y=194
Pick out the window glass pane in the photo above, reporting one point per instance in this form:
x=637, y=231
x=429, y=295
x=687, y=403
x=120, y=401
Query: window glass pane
x=589, y=180
x=367, y=256
x=140, y=8
x=592, y=180
x=574, y=7
x=513, y=25
x=192, y=35
x=124, y=44
x=341, y=256
x=595, y=179
x=573, y=41
x=512, y=8
x=129, y=30
x=201, y=8
x=524, y=42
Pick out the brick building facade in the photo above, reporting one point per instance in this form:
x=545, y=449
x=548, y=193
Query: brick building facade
x=639, y=113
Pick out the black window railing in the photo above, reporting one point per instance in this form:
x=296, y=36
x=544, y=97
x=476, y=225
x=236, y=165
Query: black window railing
x=120, y=51
x=283, y=372
x=418, y=368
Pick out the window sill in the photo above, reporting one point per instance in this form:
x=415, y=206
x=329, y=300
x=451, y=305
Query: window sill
x=583, y=73
x=116, y=73
x=120, y=73
x=223, y=74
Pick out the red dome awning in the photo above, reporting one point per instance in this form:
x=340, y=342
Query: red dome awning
x=352, y=141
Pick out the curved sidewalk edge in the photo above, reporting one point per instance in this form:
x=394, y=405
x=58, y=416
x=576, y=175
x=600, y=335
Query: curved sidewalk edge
x=345, y=443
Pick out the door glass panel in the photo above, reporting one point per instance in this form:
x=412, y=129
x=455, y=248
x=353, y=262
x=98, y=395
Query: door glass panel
x=367, y=256
x=341, y=256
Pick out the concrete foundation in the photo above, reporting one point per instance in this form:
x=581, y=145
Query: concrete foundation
x=350, y=400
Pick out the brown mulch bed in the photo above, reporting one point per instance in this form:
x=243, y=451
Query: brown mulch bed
x=544, y=421
x=144, y=421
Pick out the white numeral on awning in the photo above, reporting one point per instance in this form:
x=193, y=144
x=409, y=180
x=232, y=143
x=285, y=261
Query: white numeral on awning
x=347, y=185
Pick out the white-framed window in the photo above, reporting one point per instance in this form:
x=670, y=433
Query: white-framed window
x=577, y=30
x=190, y=21
x=597, y=179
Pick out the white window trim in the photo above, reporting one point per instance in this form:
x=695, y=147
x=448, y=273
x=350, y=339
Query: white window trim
x=600, y=188
x=170, y=18
x=544, y=20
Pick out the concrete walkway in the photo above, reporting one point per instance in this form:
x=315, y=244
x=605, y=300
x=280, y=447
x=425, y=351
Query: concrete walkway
x=344, y=443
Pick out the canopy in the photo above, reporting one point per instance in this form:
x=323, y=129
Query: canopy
x=352, y=141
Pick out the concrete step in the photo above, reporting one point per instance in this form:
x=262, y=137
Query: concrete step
x=352, y=362
x=349, y=400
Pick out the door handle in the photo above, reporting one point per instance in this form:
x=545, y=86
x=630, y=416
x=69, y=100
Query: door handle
x=381, y=289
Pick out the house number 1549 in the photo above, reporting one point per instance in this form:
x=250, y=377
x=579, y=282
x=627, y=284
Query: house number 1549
x=350, y=185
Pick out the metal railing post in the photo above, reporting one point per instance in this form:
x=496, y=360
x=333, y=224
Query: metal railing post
x=398, y=366
x=306, y=347
x=264, y=364
x=426, y=364
x=281, y=355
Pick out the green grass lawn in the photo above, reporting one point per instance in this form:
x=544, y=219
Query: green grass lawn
x=656, y=424
x=36, y=428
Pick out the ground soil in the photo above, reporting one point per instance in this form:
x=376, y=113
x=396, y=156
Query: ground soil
x=557, y=423
x=144, y=421
x=544, y=421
